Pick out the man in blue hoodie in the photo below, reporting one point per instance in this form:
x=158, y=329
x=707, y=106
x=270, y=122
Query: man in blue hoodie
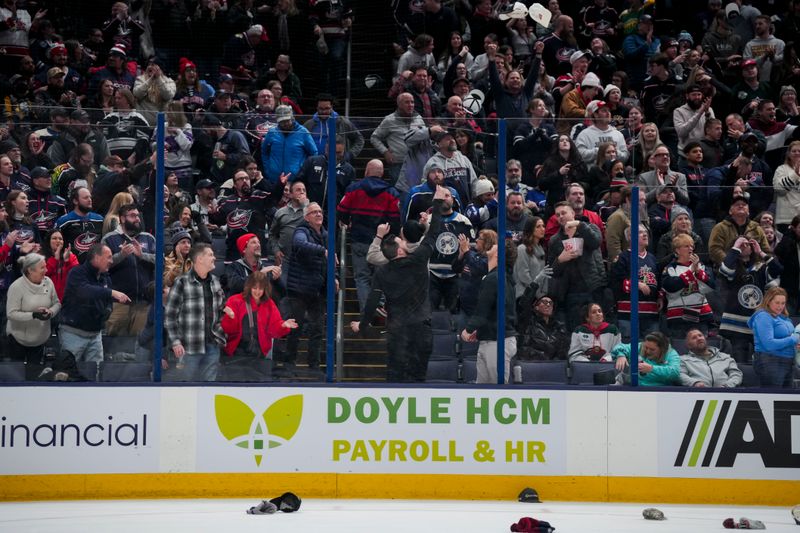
x=367, y=204
x=284, y=148
x=319, y=127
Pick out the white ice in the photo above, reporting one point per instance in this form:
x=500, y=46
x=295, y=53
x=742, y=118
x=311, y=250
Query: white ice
x=374, y=516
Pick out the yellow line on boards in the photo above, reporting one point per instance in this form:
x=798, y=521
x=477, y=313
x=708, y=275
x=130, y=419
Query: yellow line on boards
x=398, y=486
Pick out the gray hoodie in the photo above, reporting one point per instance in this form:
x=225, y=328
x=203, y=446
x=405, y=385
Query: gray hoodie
x=717, y=370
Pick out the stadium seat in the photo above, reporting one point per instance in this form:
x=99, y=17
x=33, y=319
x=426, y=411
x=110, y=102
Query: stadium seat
x=468, y=371
x=679, y=345
x=89, y=370
x=12, y=371
x=219, y=246
x=112, y=371
x=444, y=346
x=468, y=350
x=583, y=373
x=749, y=377
x=442, y=321
x=544, y=372
x=442, y=371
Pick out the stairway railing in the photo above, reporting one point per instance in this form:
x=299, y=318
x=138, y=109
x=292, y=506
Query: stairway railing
x=340, y=303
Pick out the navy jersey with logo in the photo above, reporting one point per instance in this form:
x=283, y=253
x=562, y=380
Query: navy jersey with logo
x=80, y=232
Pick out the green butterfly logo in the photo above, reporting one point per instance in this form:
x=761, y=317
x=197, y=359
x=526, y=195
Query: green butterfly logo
x=276, y=426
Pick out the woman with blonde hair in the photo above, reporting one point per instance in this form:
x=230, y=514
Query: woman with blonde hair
x=153, y=90
x=111, y=221
x=647, y=141
x=787, y=187
x=776, y=340
x=687, y=282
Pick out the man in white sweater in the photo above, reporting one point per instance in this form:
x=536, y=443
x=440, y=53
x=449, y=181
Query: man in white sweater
x=599, y=132
x=690, y=118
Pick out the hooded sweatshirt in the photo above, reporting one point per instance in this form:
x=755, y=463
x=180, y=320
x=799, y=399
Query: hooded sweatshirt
x=367, y=204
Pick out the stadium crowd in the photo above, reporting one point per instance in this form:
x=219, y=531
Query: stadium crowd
x=698, y=107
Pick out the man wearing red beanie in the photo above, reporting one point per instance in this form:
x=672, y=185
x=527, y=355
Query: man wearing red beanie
x=236, y=273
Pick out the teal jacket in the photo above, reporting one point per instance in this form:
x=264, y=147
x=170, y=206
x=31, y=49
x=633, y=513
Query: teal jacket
x=663, y=374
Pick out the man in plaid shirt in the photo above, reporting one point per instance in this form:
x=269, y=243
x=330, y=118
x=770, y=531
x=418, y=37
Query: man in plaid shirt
x=192, y=317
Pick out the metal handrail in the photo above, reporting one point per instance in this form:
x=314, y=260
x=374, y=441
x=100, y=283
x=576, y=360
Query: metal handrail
x=340, y=304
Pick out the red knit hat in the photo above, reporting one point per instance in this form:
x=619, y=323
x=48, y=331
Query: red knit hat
x=184, y=63
x=241, y=242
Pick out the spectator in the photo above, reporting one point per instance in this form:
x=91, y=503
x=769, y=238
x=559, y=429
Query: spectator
x=244, y=211
x=32, y=302
x=237, y=272
x=34, y=152
x=53, y=93
x=44, y=208
x=284, y=148
x=115, y=70
x=559, y=46
x=153, y=90
x=719, y=40
x=81, y=227
x=776, y=340
x=765, y=48
x=776, y=133
x=286, y=220
x=484, y=204
x=575, y=102
x=638, y=48
x=282, y=71
x=593, y=340
x=126, y=130
x=178, y=140
x=530, y=262
x=681, y=224
x=176, y=262
x=87, y=304
x=402, y=283
x=259, y=120
x=663, y=212
x=736, y=224
x=749, y=272
x=512, y=95
x=707, y=366
x=103, y=102
x=245, y=55
x=319, y=128
x=367, y=204
x=482, y=325
x=229, y=147
x=111, y=220
x=192, y=317
x=646, y=285
x=420, y=52
x=533, y=139
x=20, y=221
x=576, y=198
x=659, y=364
x=578, y=272
x=711, y=143
x=314, y=174
x=657, y=89
x=417, y=83
x=600, y=131
x=612, y=96
x=653, y=182
x=690, y=118
x=122, y=29
x=787, y=99
x=458, y=171
x=786, y=182
x=251, y=320
x=562, y=167
x=542, y=337
x=389, y=137
x=306, y=285
x=643, y=146
x=620, y=219
x=471, y=266
x=749, y=90
x=190, y=90
x=60, y=261
x=330, y=23
x=788, y=252
x=205, y=204
x=78, y=132
x=131, y=271
x=687, y=282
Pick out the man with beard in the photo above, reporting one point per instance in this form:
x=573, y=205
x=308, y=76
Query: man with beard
x=747, y=171
x=78, y=131
x=53, y=94
x=516, y=217
x=205, y=203
x=73, y=81
x=420, y=198
x=559, y=46
x=132, y=269
x=576, y=198
x=286, y=220
x=79, y=171
x=458, y=170
x=44, y=208
x=236, y=273
x=284, y=148
x=230, y=146
x=81, y=227
x=314, y=174
x=690, y=118
x=260, y=120
x=319, y=128
x=244, y=211
x=707, y=366
x=59, y=122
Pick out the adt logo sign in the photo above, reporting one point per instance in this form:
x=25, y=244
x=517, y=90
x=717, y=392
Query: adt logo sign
x=729, y=428
x=239, y=424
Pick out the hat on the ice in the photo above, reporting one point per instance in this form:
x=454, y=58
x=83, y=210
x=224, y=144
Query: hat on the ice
x=288, y=502
x=265, y=507
x=531, y=525
x=528, y=495
x=651, y=513
x=241, y=242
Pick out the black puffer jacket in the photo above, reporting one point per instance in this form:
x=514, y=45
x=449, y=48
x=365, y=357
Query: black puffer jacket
x=542, y=341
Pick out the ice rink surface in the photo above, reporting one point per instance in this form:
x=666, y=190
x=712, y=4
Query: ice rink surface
x=374, y=516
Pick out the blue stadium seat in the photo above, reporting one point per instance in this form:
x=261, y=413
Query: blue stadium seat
x=444, y=346
x=469, y=370
x=544, y=372
x=749, y=377
x=468, y=350
x=442, y=321
x=442, y=371
x=583, y=373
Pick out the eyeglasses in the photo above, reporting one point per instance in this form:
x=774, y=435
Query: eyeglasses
x=661, y=155
x=314, y=212
x=548, y=303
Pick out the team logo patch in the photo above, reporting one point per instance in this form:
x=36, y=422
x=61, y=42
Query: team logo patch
x=446, y=244
x=750, y=296
x=239, y=219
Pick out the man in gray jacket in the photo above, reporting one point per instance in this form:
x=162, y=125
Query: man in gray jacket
x=706, y=366
x=389, y=138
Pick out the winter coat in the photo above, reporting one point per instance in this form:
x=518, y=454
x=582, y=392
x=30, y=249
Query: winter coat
x=663, y=374
x=724, y=234
x=87, y=299
x=58, y=271
x=283, y=152
x=587, y=345
x=588, y=267
x=320, y=132
x=269, y=323
x=540, y=340
x=368, y=203
x=787, y=194
x=307, y=263
x=717, y=370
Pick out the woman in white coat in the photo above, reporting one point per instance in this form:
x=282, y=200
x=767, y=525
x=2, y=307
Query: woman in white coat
x=787, y=188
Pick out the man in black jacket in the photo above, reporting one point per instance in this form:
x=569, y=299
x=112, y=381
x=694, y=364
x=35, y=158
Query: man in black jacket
x=403, y=282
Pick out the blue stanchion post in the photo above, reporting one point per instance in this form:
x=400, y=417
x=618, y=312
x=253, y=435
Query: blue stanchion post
x=635, y=286
x=501, y=251
x=330, y=320
x=158, y=307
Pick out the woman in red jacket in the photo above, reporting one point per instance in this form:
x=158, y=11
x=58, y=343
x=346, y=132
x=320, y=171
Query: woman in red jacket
x=60, y=261
x=251, y=320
